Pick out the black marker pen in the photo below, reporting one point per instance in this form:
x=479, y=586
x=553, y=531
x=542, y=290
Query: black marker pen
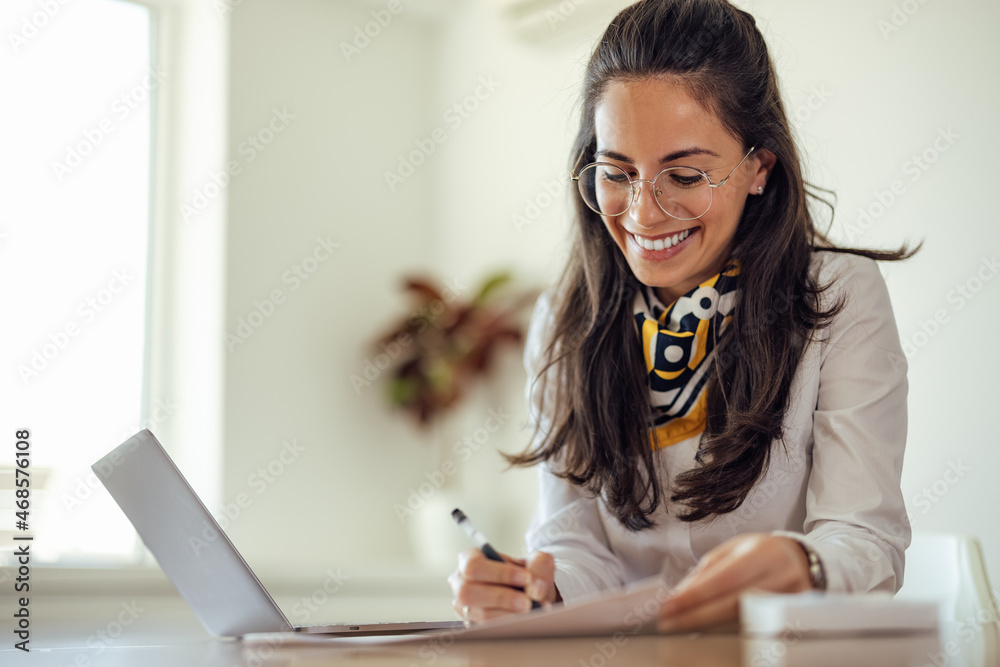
x=480, y=541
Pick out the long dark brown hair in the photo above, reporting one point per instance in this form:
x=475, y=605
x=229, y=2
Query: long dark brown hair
x=599, y=435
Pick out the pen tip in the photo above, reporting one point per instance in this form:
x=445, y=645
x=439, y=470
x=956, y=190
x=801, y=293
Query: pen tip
x=457, y=514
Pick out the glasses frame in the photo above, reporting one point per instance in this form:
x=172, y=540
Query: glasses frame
x=637, y=189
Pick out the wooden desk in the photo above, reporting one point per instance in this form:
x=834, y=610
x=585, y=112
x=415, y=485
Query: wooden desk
x=155, y=631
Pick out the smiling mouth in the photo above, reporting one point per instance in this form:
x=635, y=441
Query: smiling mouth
x=661, y=243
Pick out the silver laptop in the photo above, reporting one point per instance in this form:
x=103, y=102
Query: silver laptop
x=210, y=574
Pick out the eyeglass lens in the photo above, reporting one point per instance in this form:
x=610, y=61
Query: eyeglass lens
x=681, y=192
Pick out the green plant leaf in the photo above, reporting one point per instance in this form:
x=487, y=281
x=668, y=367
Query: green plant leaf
x=402, y=391
x=490, y=285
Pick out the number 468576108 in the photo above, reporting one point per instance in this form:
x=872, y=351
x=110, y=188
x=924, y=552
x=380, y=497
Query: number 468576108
x=22, y=481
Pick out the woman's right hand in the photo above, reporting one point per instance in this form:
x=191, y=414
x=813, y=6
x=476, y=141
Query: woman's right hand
x=484, y=589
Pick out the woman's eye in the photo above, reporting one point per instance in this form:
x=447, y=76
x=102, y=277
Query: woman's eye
x=617, y=178
x=685, y=181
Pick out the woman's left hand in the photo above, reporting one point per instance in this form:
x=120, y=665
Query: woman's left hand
x=710, y=593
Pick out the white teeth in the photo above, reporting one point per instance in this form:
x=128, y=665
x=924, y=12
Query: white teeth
x=660, y=244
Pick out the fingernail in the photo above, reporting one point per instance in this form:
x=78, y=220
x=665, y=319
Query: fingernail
x=524, y=604
x=537, y=590
x=521, y=578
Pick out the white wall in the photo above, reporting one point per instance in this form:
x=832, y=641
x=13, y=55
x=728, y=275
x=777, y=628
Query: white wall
x=890, y=97
x=321, y=177
x=887, y=99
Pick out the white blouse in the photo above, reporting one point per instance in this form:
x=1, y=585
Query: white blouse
x=834, y=486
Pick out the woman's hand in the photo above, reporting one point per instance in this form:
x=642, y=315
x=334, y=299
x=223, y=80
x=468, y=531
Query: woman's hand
x=710, y=593
x=485, y=589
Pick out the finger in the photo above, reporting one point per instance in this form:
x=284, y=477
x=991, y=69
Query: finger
x=474, y=566
x=488, y=596
x=718, y=610
x=779, y=559
x=708, y=563
x=480, y=615
x=507, y=558
x=716, y=557
x=542, y=570
x=734, y=572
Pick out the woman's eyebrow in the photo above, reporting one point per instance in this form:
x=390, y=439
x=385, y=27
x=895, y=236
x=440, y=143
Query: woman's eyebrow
x=669, y=157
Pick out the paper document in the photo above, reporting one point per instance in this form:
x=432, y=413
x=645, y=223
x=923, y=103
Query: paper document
x=632, y=610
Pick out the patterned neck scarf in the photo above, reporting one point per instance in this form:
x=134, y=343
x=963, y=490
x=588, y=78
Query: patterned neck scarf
x=678, y=343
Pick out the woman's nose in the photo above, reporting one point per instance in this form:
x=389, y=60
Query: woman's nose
x=644, y=211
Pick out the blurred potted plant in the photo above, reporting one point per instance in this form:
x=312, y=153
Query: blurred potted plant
x=447, y=343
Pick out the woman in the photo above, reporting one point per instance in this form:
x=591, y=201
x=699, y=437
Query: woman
x=719, y=394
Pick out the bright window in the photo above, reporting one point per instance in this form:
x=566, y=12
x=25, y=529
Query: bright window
x=74, y=248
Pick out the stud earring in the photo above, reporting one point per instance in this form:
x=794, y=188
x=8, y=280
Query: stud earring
x=760, y=189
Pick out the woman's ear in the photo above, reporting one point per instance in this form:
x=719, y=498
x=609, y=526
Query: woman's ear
x=764, y=161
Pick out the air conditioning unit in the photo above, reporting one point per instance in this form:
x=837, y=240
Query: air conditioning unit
x=538, y=19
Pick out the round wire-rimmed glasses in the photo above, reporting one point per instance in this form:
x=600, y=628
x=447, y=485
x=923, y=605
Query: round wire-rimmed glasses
x=684, y=193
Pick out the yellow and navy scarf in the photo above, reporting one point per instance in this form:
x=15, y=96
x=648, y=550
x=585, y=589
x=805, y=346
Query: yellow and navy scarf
x=678, y=343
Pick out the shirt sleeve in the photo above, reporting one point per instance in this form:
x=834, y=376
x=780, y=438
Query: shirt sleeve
x=856, y=519
x=567, y=523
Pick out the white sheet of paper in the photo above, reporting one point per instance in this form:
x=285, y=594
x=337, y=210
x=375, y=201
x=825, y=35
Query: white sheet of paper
x=631, y=610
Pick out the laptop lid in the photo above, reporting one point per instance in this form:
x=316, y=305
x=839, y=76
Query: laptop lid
x=188, y=543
